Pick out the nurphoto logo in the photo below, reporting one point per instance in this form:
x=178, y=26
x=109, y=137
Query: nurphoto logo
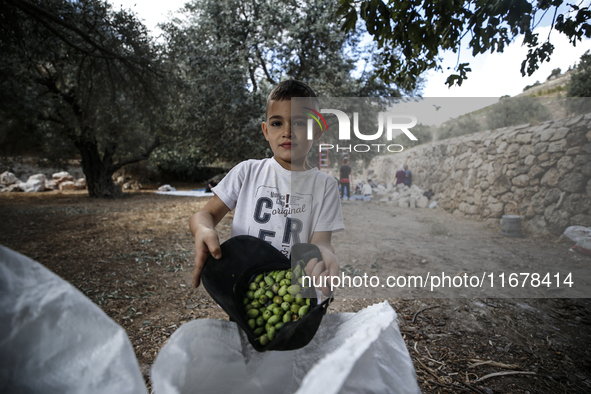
x=395, y=124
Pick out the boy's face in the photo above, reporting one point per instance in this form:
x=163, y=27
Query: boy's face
x=287, y=136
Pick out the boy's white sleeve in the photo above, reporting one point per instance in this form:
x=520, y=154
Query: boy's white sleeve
x=331, y=215
x=228, y=189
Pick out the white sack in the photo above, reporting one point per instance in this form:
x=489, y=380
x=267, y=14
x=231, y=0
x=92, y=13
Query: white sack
x=351, y=353
x=55, y=340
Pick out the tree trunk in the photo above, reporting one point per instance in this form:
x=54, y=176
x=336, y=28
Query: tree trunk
x=98, y=171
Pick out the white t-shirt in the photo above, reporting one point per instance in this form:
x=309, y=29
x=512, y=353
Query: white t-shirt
x=280, y=206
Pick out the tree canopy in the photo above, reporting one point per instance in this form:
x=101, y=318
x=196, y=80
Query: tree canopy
x=88, y=76
x=411, y=35
x=230, y=53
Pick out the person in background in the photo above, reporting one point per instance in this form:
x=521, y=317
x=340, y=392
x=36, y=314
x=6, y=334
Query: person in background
x=371, y=183
x=345, y=179
x=400, y=176
x=407, y=176
x=213, y=183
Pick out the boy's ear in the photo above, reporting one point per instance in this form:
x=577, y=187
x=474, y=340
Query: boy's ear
x=265, y=131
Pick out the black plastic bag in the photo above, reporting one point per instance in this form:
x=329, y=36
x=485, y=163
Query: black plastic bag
x=227, y=280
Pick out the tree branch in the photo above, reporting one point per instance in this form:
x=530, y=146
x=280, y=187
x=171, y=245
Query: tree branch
x=264, y=65
x=143, y=156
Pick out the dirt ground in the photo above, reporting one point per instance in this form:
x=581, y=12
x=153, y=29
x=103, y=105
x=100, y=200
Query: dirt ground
x=133, y=257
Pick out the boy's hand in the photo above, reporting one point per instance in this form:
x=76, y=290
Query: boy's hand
x=202, y=226
x=206, y=242
x=328, y=267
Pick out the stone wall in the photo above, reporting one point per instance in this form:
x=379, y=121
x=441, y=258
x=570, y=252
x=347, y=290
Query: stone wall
x=541, y=172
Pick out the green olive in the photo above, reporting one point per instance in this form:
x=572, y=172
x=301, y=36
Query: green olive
x=279, y=326
x=258, y=278
x=295, y=308
x=246, y=300
x=282, y=291
x=251, y=323
x=303, y=310
x=253, y=313
x=253, y=286
x=258, y=293
x=248, y=307
x=285, y=306
x=250, y=294
x=269, y=294
x=274, y=320
x=277, y=300
x=262, y=284
x=267, y=314
x=293, y=289
x=287, y=317
x=260, y=321
x=256, y=304
x=278, y=311
x=285, y=282
x=280, y=275
x=264, y=340
x=263, y=299
x=288, y=275
x=299, y=299
x=258, y=331
x=308, y=301
x=269, y=280
x=275, y=288
x=270, y=330
x=288, y=298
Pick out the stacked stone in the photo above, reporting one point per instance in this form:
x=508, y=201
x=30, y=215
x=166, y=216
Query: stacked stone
x=404, y=196
x=541, y=172
x=39, y=182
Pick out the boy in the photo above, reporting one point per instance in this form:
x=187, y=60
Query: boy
x=282, y=200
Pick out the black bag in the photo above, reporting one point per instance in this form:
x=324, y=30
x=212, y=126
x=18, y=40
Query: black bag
x=227, y=279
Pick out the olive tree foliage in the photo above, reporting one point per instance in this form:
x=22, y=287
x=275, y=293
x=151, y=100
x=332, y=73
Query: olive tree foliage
x=229, y=54
x=579, y=87
x=87, y=76
x=411, y=35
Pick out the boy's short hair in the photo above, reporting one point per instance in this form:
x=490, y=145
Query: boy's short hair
x=285, y=90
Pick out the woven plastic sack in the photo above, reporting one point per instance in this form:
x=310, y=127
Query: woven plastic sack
x=350, y=353
x=55, y=340
x=582, y=236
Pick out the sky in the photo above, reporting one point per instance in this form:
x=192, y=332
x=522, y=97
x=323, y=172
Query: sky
x=493, y=75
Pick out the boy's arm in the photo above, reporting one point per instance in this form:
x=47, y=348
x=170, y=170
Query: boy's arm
x=330, y=264
x=202, y=225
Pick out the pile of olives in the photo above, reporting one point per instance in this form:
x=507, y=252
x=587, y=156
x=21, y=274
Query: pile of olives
x=271, y=301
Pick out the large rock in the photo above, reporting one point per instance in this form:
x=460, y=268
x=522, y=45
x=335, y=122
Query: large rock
x=51, y=184
x=581, y=220
x=557, y=221
x=577, y=203
x=63, y=176
x=69, y=185
x=8, y=178
x=574, y=182
x=35, y=183
x=422, y=202
x=496, y=209
x=550, y=178
x=536, y=226
x=520, y=180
